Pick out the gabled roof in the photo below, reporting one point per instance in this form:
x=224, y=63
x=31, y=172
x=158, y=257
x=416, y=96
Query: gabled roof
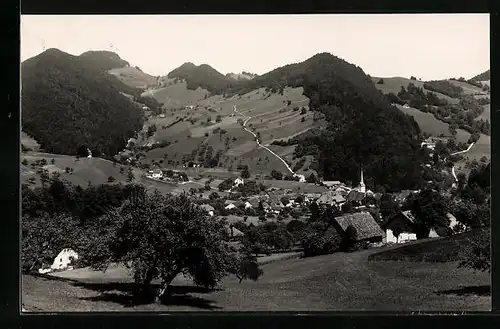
x=233, y=231
x=331, y=197
x=364, y=223
x=207, y=207
x=355, y=196
x=407, y=215
x=228, y=202
x=331, y=182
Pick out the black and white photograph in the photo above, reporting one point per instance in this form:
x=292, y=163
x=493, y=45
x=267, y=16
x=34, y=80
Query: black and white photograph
x=203, y=163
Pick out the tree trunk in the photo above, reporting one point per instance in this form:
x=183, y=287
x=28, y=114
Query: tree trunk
x=164, y=287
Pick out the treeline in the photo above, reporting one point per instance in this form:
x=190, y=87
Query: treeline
x=462, y=115
x=68, y=104
x=364, y=130
x=444, y=87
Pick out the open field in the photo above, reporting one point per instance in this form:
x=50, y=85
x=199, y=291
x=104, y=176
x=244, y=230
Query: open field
x=85, y=170
x=486, y=115
x=429, y=124
x=29, y=142
x=468, y=88
x=342, y=281
x=272, y=118
x=393, y=85
x=133, y=77
x=177, y=95
x=480, y=149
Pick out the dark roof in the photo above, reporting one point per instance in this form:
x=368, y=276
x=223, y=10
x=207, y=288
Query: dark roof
x=207, y=207
x=364, y=223
x=407, y=215
x=355, y=196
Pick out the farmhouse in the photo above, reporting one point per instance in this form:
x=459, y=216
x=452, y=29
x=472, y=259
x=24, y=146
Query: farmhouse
x=233, y=232
x=355, y=196
x=400, y=228
x=403, y=195
x=331, y=198
x=365, y=225
x=229, y=205
x=155, y=174
x=238, y=181
x=63, y=259
x=208, y=208
x=162, y=115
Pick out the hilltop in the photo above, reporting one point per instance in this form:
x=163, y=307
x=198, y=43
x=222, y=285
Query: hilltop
x=482, y=76
x=203, y=76
x=71, y=102
x=104, y=60
x=298, y=107
x=241, y=76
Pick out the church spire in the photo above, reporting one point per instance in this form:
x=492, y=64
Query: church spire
x=362, y=187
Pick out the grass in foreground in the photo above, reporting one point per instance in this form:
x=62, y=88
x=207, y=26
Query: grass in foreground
x=331, y=282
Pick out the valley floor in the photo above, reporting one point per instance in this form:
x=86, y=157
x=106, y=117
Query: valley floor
x=338, y=282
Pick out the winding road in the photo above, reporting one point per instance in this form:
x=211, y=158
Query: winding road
x=301, y=177
x=459, y=152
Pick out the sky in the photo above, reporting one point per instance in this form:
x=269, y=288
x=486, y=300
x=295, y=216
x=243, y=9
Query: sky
x=429, y=47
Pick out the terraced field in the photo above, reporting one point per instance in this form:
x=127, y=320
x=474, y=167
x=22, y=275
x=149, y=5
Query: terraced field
x=272, y=116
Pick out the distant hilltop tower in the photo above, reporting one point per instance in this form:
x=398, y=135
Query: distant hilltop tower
x=362, y=187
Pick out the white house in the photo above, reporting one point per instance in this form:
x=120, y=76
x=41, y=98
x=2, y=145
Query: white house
x=162, y=115
x=238, y=181
x=302, y=178
x=62, y=261
x=145, y=108
x=155, y=174
x=230, y=206
x=248, y=205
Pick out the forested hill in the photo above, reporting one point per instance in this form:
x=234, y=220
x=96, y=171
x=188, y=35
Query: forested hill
x=482, y=77
x=364, y=129
x=70, y=101
x=203, y=76
x=103, y=60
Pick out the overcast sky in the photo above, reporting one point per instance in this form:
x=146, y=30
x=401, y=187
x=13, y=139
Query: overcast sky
x=426, y=46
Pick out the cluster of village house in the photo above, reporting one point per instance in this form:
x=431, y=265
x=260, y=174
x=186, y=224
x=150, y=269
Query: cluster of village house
x=400, y=228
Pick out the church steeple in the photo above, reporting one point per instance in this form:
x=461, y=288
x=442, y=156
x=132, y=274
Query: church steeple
x=362, y=187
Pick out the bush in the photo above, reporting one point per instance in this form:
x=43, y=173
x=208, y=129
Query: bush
x=477, y=254
x=320, y=241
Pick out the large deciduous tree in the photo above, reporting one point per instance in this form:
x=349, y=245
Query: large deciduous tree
x=160, y=237
x=430, y=209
